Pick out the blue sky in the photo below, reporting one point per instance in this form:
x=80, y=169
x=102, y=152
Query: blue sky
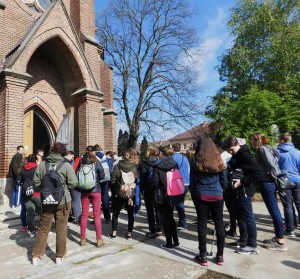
x=211, y=19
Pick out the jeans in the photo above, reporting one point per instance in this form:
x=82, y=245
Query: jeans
x=181, y=211
x=153, y=215
x=60, y=214
x=246, y=221
x=33, y=205
x=268, y=192
x=216, y=209
x=168, y=222
x=16, y=194
x=117, y=206
x=95, y=199
x=23, y=212
x=105, y=200
x=287, y=202
x=76, y=202
x=137, y=199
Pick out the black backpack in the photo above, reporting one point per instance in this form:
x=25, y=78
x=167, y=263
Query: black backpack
x=52, y=189
x=27, y=188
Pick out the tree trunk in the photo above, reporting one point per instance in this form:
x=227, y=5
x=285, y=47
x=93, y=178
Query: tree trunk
x=132, y=142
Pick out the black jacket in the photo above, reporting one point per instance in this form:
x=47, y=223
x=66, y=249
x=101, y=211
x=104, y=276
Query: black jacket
x=14, y=167
x=146, y=181
x=159, y=173
x=244, y=160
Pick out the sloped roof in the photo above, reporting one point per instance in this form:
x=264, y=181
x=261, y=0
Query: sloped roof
x=193, y=133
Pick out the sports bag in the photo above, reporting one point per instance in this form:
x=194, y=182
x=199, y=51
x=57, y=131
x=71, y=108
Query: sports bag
x=127, y=187
x=175, y=187
x=86, y=177
x=52, y=189
x=27, y=188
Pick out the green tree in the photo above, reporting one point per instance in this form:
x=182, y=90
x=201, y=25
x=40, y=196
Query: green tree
x=265, y=55
x=144, y=147
x=148, y=43
x=122, y=142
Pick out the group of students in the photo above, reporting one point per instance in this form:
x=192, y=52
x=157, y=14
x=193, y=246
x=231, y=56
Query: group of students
x=213, y=173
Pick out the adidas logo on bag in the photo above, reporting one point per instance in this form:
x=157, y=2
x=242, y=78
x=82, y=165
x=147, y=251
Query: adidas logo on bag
x=50, y=200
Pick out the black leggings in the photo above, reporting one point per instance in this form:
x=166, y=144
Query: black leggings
x=117, y=206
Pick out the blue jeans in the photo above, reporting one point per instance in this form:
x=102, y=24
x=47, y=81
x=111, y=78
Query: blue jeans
x=246, y=221
x=181, y=211
x=137, y=199
x=268, y=192
x=287, y=202
x=16, y=194
x=76, y=204
x=105, y=200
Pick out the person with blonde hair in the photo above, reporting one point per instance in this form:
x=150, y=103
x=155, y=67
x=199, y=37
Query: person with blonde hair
x=207, y=181
x=267, y=157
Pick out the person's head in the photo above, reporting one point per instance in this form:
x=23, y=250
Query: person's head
x=109, y=154
x=232, y=145
x=97, y=148
x=164, y=151
x=89, y=157
x=32, y=158
x=285, y=137
x=258, y=140
x=151, y=152
x=40, y=152
x=127, y=156
x=135, y=156
x=208, y=157
x=21, y=149
x=59, y=148
x=70, y=155
x=115, y=156
x=176, y=147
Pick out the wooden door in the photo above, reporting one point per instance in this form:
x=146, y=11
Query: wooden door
x=28, y=132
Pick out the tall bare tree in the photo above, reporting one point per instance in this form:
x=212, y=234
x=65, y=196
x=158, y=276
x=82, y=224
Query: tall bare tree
x=149, y=43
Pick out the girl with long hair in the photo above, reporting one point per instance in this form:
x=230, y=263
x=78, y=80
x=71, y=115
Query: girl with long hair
x=207, y=181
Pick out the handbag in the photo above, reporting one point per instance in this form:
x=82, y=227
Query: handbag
x=283, y=181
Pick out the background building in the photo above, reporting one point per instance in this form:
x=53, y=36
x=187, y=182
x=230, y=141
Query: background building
x=54, y=83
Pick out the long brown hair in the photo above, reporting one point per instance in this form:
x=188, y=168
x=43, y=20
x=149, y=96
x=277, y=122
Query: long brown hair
x=208, y=157
x=89, y=157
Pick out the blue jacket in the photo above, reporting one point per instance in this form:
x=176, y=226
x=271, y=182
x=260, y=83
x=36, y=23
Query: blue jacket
x=290, y=161
x=183, y=167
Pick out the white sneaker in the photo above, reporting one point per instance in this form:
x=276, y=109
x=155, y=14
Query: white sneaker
x=35, y=261
x=59, y=261
x=32, y=235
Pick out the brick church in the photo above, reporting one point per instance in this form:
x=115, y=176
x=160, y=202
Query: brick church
x=54, y=83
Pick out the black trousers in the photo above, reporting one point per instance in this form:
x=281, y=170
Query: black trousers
x=216, y=209
x=117, y=206
x=168, y=222
x=153, y=214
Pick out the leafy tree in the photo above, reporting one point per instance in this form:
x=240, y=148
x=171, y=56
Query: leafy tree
x=264, y=57
x=144, y=147
x=148, y=43
x=122, y=142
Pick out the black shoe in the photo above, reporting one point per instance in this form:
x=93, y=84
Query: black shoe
x=128, y=236
x=176, y=244
x=71, y=219
x=167, y=246
x=152, y=234
x=107, y=221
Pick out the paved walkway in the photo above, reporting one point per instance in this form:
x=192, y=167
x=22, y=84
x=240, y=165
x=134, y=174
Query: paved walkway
x=141, y=257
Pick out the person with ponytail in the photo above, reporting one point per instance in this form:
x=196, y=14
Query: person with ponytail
x=267, y=157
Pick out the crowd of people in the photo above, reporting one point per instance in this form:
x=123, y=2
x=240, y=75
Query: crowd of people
x=60, y=187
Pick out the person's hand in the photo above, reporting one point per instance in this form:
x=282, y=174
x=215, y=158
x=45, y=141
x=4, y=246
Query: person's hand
x=130, y=202
x=236, y=183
